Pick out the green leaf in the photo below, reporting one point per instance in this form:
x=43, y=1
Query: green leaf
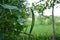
x=47, y=4
x=9, y=7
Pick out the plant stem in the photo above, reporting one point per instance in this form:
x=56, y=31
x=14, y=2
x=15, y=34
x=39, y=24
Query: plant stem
x=53, y=31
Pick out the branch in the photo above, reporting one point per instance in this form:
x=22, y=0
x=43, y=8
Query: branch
x=53, y=32
x=25, y=33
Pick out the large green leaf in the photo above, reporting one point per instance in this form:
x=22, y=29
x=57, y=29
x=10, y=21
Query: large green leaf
x=9, y=7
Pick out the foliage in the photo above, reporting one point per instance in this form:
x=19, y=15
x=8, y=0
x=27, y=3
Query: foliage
x=43, y=5
x=12, y=18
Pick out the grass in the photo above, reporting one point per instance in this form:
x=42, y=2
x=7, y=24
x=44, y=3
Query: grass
x=43, y=31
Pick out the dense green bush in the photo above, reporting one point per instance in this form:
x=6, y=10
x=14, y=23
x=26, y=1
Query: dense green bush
x=12, y=18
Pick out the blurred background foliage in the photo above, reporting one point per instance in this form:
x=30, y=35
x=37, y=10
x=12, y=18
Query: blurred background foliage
x=15, y=17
